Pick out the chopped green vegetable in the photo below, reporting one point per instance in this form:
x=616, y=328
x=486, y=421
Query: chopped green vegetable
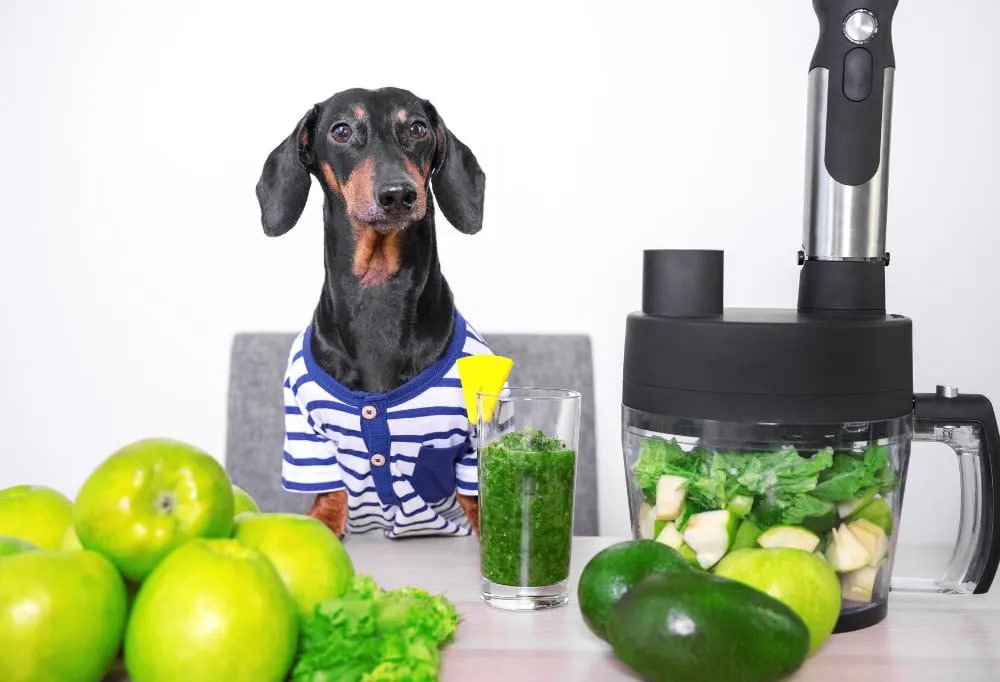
x=806, y=506
x=374, y=635
x=740, y=505
x=771, y=488
x=746, y=535
x=851, y=477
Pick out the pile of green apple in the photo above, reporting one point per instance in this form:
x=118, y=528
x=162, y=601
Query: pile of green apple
x=162, y=561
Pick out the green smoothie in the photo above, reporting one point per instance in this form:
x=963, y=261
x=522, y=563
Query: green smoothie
x=526, y=509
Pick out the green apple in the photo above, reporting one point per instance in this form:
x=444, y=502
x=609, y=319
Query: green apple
x=9, y=545
x=70, y=540
x=212, y=610
x=35, y=513
x=62, y=615
x=242, y=502
x=149, y=498
x=308, y=556
x=803, y=581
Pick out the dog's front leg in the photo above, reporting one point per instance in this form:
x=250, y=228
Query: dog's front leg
x=331, y=509
x=470, y=505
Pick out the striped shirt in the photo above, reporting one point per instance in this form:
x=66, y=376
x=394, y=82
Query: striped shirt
x=401, y=455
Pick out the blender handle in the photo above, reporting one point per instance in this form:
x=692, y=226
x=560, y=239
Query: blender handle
x=968, y=424
x=855, y=46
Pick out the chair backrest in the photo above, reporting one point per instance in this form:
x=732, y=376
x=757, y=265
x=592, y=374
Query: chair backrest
x=256, y=416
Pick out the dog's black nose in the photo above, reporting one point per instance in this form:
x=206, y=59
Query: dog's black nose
x=396, y=196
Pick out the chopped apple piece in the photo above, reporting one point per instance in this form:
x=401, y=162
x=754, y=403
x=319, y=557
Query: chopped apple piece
x=670, y=536
x=793, y=537
x=844, y=552
x=646, y=518
x=858, y=585
x=669, y=497
x=873, y=538
x=710, y=534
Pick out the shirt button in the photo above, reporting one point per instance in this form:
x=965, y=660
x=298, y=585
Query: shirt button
x=369, y=412
x=378, y=460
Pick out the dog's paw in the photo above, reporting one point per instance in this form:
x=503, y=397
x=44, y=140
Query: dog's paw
x=331, y=509
x=470, y=505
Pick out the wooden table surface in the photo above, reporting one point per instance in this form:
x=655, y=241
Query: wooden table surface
x=925, y=637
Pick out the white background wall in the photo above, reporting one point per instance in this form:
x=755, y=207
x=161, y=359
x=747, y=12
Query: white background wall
x=132, y=135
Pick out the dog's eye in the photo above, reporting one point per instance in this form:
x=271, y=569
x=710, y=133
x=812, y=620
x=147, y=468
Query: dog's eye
x=418, y=130
x=341, y=132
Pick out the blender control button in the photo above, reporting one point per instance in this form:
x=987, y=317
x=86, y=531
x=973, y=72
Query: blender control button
x=860, y=26
x=857, y=74
x=947, y=392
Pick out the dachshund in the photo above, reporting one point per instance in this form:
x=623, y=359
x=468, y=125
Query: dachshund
x=375, y=419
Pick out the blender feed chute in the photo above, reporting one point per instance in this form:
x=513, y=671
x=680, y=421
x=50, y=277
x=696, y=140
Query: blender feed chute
x=804, y=417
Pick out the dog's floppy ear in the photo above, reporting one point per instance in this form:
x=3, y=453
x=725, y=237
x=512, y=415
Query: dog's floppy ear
x=284, y=183
x=458, y=182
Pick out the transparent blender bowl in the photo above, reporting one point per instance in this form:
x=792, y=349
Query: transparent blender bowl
x=833, y=489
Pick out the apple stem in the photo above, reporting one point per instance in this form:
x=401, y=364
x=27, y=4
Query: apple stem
x=165, y=503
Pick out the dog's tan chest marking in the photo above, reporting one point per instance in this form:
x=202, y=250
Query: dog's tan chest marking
x=377, y=255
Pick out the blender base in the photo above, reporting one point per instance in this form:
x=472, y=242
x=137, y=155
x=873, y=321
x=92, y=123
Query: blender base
x=858, y=620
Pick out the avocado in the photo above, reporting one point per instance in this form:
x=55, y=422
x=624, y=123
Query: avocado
x=612, y=572
x=697, y=626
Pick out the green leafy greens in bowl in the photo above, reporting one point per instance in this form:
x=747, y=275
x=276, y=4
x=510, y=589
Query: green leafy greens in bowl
x=786, y=487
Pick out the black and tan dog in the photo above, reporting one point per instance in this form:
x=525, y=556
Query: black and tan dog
x=385, y=314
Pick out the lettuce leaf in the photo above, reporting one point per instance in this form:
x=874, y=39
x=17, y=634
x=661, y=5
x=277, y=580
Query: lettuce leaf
x=850, y=476
x=373, y=635
x=804, y=507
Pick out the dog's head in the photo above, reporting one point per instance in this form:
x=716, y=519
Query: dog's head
x=376, y=154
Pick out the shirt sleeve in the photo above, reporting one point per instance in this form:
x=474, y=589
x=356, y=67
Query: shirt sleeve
x=466, y=471
x=309, y=463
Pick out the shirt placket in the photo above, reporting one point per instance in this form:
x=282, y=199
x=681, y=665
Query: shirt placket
x=375, y=432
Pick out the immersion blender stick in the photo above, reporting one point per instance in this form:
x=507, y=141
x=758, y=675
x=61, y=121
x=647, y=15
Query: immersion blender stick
x=847, y=148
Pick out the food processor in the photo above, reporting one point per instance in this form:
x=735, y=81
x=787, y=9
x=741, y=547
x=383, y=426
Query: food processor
x=792, y=427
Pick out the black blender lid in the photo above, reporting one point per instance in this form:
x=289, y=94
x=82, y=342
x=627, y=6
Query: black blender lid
x=687, y=356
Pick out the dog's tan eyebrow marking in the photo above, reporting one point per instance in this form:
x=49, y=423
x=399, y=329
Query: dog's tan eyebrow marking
x=401, y=115
x=331, y=179
x=359, y=112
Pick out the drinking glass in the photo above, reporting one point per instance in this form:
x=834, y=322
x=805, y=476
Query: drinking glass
x=527, y=448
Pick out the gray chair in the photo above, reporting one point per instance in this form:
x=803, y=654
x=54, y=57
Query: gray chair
x=256, y=415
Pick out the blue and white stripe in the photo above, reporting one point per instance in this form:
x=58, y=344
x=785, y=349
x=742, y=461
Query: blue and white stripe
x=431, y=451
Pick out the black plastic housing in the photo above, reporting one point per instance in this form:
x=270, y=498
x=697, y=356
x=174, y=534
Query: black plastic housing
x=761, y=365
